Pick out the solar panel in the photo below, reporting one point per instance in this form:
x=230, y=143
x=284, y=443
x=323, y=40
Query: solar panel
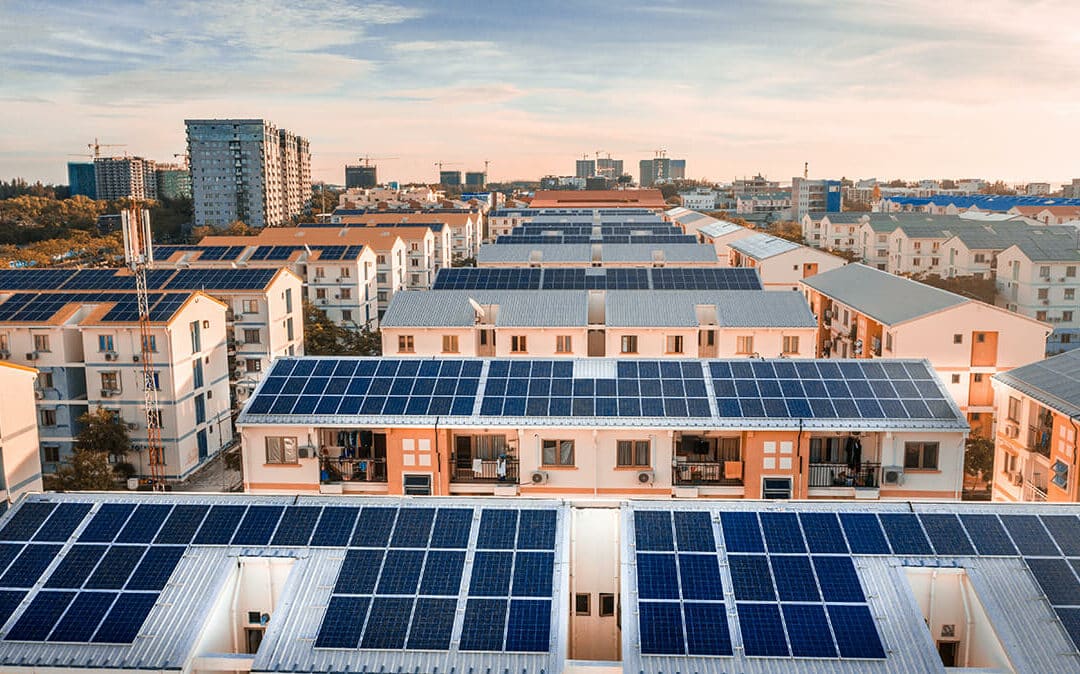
x=1065, y=530
x=536, y=530
x=693, y=530
x=661, y=628
x=38, y=619
x=947, y=534
x=127, y=615
x=29, y=565
x=838, y=580
x=905, y=534
x=374, y=527
x=706, y=629
x=751, y=578
x=652, y=530
x=335, y=526
x=528, y=627
x=143, y=525
x=115, y=567
x=700, y=577
x=26, y=521
x=413, y=528
x=63, y=521
x=83, y=617
x=76, y=566
x=823, y=533
x=742, y=533
x=794, y=578
x=782, y=532
x=1029, y=535
x=433, y=624
x=155, y=568
x=1057, y=580
x=1070, y=621
x=181, y=525
x=762, y=630
x=258, y=525
x=864, y=534
x=386, y=626
x=297, y=525
x=808, y=630
x=106, y=522
x=988, y=535
x=498, y=529
x=9, y=601
x=855, y=632
x=533, y=574
x=220, y=525
x=484, y=625
x=443, y=570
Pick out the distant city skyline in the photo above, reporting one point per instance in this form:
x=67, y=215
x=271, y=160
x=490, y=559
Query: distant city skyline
x=912, y=89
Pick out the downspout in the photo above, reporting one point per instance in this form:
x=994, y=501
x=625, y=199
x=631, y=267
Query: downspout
x=970, y=622
x=1076, y=437
x=438, y=460
x=798, y=452
x=957, y=493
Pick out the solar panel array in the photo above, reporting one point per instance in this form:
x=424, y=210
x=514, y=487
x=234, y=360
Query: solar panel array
x=274, y=252
x=402, y=583
x=220, y=279
x=90, y=280
x=41, y=307
x=586, y=238
x=574, y=278
x=828, y=389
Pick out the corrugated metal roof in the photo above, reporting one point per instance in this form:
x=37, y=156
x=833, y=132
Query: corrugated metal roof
x=643, y=252
x=517, y=308
x=734, y=308
x=1054, y=382
x=522, y=252
x=887, y=298
x=763, y=246
x=839, y=217
x=721, y=228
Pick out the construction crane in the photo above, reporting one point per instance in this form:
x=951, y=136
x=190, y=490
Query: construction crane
x=139, y=256
x=441, y=164
x=486, y=162
x=367, y=160
x=660, y=154
x=96, y=147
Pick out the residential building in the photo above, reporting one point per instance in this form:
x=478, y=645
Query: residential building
x=87, y=349
x=834, y=231
x=678, y=169
x=558, y=426
x=1071, y=190
x=584, y=168
x=475, y=180
x=778, y=203
x=20, y=458
x=756, y=185
x=867, y=313
x=814, y=195
x=82, y=179
x=651, y=200
x=720, y=235
x=361, y=177
x=1037, y=189
x=781, y=263
x=466, y=227
x=1035, y=446
x=609, y=168
x=699, y=199
x=1037, y=277
x=654, y=171
x=450, y=178
x=247, y=170
x=124, y=177
x=173, y=181
x=598, y=323
x=1048, y=215
x=599, y=254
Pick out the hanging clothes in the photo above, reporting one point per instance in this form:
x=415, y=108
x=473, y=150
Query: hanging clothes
x=856, y=455
x=500, y=468
x=478, y=467
x=849, y=452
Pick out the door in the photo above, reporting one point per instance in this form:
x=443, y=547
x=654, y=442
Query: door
x=200, y=438
x=597, y=348
x=463, y=455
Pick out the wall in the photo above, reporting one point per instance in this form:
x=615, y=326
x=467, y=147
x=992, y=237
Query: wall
x=594, y=560
x=19, y=452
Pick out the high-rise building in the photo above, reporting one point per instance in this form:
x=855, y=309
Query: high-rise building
x=125, y=177
x=475, y=179
x=813, y=195
x=362, y=177
x=81, y=179
x=584, y=168
x=173, y=182
x=654, y=171
x=759, y=184
x=450, y=178
x=1069, y=191
x=678, y=169
x=247, y=169
x=609, y=168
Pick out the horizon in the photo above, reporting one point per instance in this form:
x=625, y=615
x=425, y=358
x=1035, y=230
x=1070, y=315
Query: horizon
x=913, y=90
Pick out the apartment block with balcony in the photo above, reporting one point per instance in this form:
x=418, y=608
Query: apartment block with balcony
x=834, y=231
x=764, y=428
x=781, y=263
x=1036, y=451
x=466, y=228
x=20, y=454
x=868, y=313
x=599, y=323
x=125, y=177
x=1037, y=277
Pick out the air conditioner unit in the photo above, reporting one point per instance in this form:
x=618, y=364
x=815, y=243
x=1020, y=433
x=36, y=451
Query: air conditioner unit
x=892, y=475
x=111, y=355
x=133, y=427
x=1012, y=431
x=646, y=477
x=1016, y=479
x=538, y=477
x=5, y=354
x=107, y=393
x=39, y=394
x=33, y=355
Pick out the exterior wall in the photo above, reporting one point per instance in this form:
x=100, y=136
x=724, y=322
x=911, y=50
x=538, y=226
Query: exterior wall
x=916, y=256
x=1020, y=284
x=279, y=322
x=784, y=271
x=345, y=290
x=841, y=236
x=1026, y=449
x=722, y=244
x=873, y=247
x=20, y=462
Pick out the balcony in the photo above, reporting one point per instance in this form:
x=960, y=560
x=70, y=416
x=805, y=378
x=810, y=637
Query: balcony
x=351, y=470
x=707, y=473
x=483, y=470
x=842, y=475
x=1038, y=440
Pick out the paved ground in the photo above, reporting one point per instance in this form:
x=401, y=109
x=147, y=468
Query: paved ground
x=215, y=476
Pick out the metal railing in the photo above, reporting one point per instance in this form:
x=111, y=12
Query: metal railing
x=483, y=470
x=866, y=476
x=352, y=470
x=1038, y=440
x=693, y=473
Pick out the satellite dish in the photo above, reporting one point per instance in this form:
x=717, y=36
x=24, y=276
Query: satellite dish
x=477, y=308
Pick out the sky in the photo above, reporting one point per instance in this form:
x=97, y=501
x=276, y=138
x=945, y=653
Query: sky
x=890, y=88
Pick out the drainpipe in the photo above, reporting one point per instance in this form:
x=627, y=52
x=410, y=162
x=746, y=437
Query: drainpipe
x=930, y=612
x=1076, y=438
x=798, y=452
x=970, y=622
x=438, y=460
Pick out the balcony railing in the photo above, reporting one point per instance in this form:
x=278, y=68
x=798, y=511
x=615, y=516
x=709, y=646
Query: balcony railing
x=352, y=470
x=866, y=476
x=704, y=473
x=484, y=470
x=1038, y=440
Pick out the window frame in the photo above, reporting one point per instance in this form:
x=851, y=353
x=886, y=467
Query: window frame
x=283, y=444
x=406, y=344
x=921, y=448
x=785, y=346
x=628, y=453
x=450, y=344
x=628, y=344
x=558, y=449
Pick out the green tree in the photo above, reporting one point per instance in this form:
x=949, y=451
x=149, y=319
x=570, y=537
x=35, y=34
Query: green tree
x=88, y=471
x=459, y=261
x=792, y=231
x=982, y=289
x=323, y=337
x=978, y=460
x=103, y=431
x=997, y=187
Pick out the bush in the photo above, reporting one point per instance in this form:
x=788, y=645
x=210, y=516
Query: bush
x=124, y=470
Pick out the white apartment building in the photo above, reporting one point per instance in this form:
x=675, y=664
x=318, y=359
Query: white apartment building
x=1037, y=277
x=781, y=263
x=20, y=458
x=834, y=231
x=248, y=170
x=700, y=199
x=466, y=226
x=125, y=177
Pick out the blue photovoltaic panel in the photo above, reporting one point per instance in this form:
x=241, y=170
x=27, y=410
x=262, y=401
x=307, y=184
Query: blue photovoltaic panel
x=808, y=631
x=782, y=533
x=742, y=533
x=83, y=617
x=8, y=552
x=652, y=530
x=296, y=526
x=1066, y=532
x=946, y=534
x=657, y=577
x=401, y=572
x=905, y=534
x=387, y=622
x=258, y=525
x=25, y=522
x=1030, y=536
x=29, y=565
x=9, y=601
x=156, y=567
x=661, y=628
x=343, y=622
x=693, y=531
x=115, y=567
x=700, y=577
x=220, y=525
x=529, y=626
x=1056, y=579
x=106, y=523
x=838, y=579
x=498, y=529
x=76, y=566
x=988, y=534
x=794, y=578
x=483, y=627
x=823, y=533
x=750, y=577
x=864, y=534
x=125, y=618
x=706, y=629
x=762, y=631
x=359, y=572
x=855, y=632
x=335, y=526
x=442, y=572
x=533, y=574
x=432, y=624
x=451, y=528
x=536, y=530
x=373, y=527
x=64, y=519
x=39, y=618
x=180, y=527
x=413, y=528
x=491, y=574
x=144, y=523
x=1070, y=620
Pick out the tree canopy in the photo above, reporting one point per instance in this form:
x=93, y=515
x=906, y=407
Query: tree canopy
x=103, y=431
x=323, y=337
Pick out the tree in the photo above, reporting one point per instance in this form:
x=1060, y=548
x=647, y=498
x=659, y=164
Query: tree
x=792, y=231
x=982, y=289
x=89, y=470
x=998, y=187
x=859, y=206
x=103, y=431
x=978, y=459
x=949, y=184
x=234, y=228
x=459, y=261
x=323, y=337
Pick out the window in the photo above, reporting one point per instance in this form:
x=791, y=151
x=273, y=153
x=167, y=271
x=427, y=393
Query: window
x=980, y=337
x=346, y=293
x=110, y=381
x=581, y=604
x=674, y=344
x=48, y=417
x=381, y=259
x=1070, y=271
x=346, y=315
x=978, y=377
x=606, y=606
x=1070, y=294
x=1043, y=293
x=200, y=409
x=629, y=344
x=776, y=487
x=150, y=343
x=1066, y=316
x=197, y=373
x=888, y=341
x=450, y=344
x=41, y=342
x=253, y=365
x=320, y=272
x=288, y=300
x=155, y=381
x=281, y=450
x=4, y=342
x=958, y=339
x=744, y=344
x=1040, y=315
x=955, y=379
x=633, y=453
x=518, y=344
x=414, y=246
x=381, y=276
x=105, y=343
x=558, y=452
x=250, y=306
x=1044, y=271
x=405, y=344
x=288, y=329
x=251, y=336
x=564, y=344
x=346, y=272
x=196, y=337
x=791, y=344
x=847, y=317
x=51, y=453
x=45, y=380
x=320, y=293
x=921, y=455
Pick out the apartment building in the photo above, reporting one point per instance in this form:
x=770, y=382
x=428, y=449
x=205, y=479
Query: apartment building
x=868, y=313
x=1048, y=215
x=834, y=231
x=814, y=195
x=247, y=170
x=1035, y=446
x=87, y=350
x=599, y=323
x=598, y=254
x=647, y=199
x=124, y=177
x=700, y=199
x=457, y=234
x=781, y=263
x=1037, y=277
x=720, y=235
x=20, y=457
x=778, y=203
x=745, y=428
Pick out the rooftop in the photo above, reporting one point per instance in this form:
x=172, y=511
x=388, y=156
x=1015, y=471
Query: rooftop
x=598, y=199
x=1055, y=382
x=887, y=298
x=763, y=246
x=839, y=217
x=583, y=252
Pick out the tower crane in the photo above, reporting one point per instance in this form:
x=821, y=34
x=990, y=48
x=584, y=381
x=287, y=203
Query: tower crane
x=96, y=147
x=139, y=257
x=367, y=159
